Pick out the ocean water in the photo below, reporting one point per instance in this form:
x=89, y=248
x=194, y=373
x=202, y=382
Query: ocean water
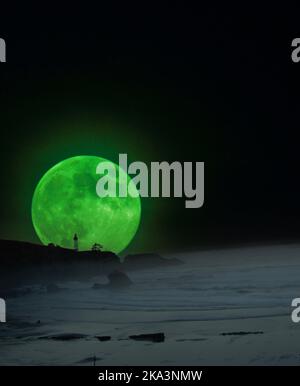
x=212, y=293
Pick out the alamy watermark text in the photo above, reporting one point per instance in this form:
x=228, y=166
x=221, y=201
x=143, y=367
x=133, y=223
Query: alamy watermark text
x=2, y=50
x=187, y=178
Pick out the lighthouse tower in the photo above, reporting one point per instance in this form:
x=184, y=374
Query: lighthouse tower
x=75, y=239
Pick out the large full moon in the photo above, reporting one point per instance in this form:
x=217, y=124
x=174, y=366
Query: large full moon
x=65, y=202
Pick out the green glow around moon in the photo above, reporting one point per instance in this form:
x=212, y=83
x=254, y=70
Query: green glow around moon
x=65, y=202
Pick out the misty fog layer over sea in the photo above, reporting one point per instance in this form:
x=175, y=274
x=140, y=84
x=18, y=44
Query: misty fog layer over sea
x=213, y=293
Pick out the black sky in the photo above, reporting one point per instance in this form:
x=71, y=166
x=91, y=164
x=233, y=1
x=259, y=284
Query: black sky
x=177, y=83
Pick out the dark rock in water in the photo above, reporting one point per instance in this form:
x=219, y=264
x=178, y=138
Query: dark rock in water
x=53, y=288
x=91, y=360
x=99, y=286
x=64, y=337
x=242, y=333
x=103, y=338
x=117, y=280
x=157, y=337
x=148, y=260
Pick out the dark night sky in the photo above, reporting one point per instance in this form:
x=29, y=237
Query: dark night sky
x=180, y=83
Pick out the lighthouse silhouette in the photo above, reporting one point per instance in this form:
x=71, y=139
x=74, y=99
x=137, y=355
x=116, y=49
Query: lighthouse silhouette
x=75, y=239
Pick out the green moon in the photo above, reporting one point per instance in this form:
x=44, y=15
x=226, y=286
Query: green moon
x=65, y=202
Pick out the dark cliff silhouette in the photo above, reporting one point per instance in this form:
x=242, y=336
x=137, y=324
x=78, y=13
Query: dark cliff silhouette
x=26, y=263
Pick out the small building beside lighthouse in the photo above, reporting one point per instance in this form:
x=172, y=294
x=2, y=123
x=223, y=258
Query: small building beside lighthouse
x=75, y=239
